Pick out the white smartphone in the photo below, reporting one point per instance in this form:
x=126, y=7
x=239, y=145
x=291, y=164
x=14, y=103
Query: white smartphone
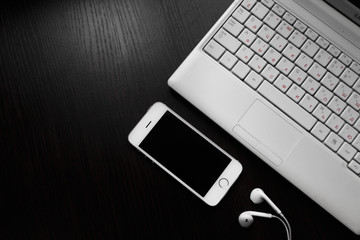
x=185, y=153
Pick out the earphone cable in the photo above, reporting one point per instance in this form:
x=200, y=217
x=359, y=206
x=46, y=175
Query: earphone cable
x=288, y=234
x=288, y=224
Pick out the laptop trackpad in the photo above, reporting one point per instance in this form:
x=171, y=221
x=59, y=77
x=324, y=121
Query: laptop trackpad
x=272, y=132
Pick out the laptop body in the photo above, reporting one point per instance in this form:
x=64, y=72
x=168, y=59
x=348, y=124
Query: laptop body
x=294, y=141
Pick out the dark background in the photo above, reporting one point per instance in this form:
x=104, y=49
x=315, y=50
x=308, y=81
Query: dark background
x=75, y=77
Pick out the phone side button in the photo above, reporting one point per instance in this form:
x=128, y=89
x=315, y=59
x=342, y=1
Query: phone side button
x=223, y=183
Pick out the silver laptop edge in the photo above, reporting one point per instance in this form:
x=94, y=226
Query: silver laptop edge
x=233, y=105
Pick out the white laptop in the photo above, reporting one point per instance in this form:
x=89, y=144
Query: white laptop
x=282, y=77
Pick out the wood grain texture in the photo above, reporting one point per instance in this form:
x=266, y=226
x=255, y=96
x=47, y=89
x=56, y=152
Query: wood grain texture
x=75, y=77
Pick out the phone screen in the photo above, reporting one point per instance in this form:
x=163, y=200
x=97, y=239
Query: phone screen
x=185, y=153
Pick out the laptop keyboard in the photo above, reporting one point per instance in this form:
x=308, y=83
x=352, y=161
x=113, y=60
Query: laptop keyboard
x=297, y=69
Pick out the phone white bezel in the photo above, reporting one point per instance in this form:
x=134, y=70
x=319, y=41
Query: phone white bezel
x=230, y=173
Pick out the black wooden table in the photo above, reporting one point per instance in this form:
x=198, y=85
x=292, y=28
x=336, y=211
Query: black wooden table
x=75, y=77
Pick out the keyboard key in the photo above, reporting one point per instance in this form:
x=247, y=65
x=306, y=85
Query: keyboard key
x=227, y=40
x=347, y=152
x=297, y=75
x=233, y=26
x=334, y=51
x=300, y=26
x=350, y=115
x=244, y=53
x=228, y=60
x=285, y=29
x=295, y=93
x=336, y=67
x=357, y=157
x=272, y=20
x=259, y=46
x=322, y=42
x=324, y=95
x=285, y=66
x=268, y=3
x=270, y=73
x=322, y=113
x=354, y=101
x=257, y=63
x=253, y=23
x=272, y=56
x=356, y=144
x=278, y=42
x=309, y=103
x=323, y=57
x=254, y=80
x=343, y=91
x=247, y=37
x=241, y=14
x=214, y=49
x=289, y=18
x=337, y=105
x=345, y=59
x=283, y=83
x=356, y=87
x=349, y=77
x=297, y=38
x=330, y=81
x=310, y=85
x=304, y=62
x=317, y=71
x=348, y=133
x=355, y=167
x=285, y=104
x=310, y=48
x=266, y=33
x=335, y=123
x=278, y=10
x=355, y=67
x=291, y=52
x=241, y=70
x=260, y=10
x=320, y=131
x=248, y=4
x=333, y=141
x=311, y=34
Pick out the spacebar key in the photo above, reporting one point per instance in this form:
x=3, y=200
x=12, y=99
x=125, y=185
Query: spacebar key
x=285, y=104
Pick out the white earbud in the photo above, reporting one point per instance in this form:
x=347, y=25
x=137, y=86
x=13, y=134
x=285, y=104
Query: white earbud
x=258, y=196
x=246, y=218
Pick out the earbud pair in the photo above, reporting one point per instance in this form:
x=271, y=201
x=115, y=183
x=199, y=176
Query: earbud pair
x=258, y=196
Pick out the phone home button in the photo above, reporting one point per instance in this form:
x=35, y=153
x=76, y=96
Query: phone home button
x=223, y=183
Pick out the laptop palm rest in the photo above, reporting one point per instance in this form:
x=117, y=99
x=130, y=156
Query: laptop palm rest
x=270, y=134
